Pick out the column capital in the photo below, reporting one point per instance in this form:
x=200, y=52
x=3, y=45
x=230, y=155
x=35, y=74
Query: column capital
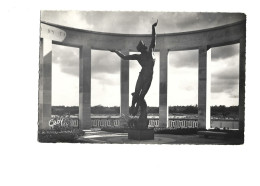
x=204, y=48
x=85, y=47
x=164, y=51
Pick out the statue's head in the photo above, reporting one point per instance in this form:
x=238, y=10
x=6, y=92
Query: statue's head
x=141, y=46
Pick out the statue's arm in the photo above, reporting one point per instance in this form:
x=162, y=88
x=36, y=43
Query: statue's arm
x=152, y=45
x=126, y=57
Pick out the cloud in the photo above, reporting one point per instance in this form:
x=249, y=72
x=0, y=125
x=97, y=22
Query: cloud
x=222, y=85
x=188, y=59
x=228, y=74
x=75, y=19
x=197, y=21
x=106, y=79
x=224, y=52
x=67, y=58
x=104, y=62
x=101, y=62
x=225, y=76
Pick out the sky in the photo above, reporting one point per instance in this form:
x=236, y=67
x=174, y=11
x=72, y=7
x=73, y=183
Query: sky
x=182, y=65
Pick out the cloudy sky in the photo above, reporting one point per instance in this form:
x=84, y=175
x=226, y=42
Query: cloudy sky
x=182, y=68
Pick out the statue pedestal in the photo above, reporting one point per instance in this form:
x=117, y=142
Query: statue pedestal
x=141, y=134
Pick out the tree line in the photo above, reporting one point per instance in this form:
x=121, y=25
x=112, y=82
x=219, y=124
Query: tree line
x=221, y=110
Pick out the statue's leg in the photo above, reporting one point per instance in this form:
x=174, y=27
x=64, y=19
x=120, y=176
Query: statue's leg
x=145, y=88
x=135, y=98
x=134, y=101
x=136, y=94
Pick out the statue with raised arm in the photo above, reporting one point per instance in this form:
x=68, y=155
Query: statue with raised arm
x=146, y=60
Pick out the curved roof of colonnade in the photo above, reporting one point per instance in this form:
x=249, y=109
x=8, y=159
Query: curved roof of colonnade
x=211, y=37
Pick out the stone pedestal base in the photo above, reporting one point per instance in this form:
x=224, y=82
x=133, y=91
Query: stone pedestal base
x=144, y=134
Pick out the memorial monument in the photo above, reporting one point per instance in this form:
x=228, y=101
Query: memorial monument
x=146, y=60
x=86, y=41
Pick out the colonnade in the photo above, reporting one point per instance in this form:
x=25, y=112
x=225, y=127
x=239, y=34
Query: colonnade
x=202, y=40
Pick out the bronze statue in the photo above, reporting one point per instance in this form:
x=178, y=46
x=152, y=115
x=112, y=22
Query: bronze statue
x=146, y=60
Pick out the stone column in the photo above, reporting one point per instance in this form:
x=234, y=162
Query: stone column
x=45, y=78
x=163, y=107
x=124, y=87
x=85, y=88
x=242, y=65
x=204, y=88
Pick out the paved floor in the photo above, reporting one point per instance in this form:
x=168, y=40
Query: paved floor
x=97, y=136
